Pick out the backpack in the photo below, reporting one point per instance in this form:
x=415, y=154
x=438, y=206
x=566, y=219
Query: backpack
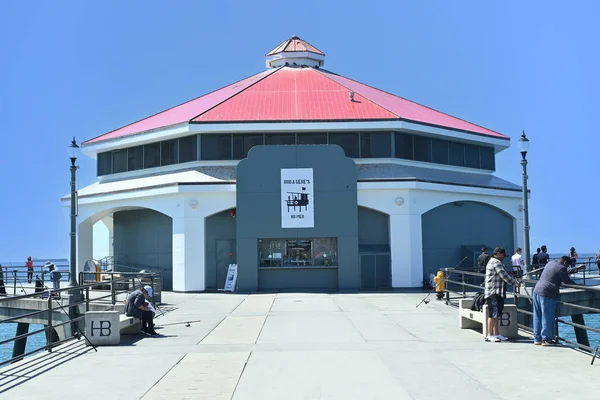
x=478, y=302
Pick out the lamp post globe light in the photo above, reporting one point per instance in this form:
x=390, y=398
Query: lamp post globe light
x=524, y=148
x=73, y=151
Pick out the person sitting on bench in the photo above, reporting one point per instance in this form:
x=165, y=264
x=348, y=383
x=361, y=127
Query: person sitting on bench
x=137, y=306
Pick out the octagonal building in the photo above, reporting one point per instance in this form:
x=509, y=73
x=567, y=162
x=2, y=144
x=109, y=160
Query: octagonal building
x=306, y=179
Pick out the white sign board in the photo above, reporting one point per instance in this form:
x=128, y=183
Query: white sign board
x=297, y=198
x=231, y=278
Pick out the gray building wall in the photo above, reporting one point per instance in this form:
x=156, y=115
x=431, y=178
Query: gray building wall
x=259, y=216
x=373, y=230
x=143, y=239
x=450, y=227
x=218, y=227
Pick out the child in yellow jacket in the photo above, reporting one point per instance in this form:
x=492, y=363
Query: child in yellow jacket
x=439, y=285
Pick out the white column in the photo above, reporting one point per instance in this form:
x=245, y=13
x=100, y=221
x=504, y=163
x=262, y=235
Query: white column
x=85, y=244
x=109, y=223
x=188, y=254
x=406, y=242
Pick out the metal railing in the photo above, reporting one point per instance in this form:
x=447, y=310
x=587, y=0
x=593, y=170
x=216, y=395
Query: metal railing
x=472, y=280
x=71, y=311
x=14, y=280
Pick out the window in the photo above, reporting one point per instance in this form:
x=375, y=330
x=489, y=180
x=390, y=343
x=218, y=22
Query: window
x=439, y=151
x=297, y=252
x=422, y=148
x=168, y=152
x=472, y=156
x=119, y=161
x=487, y=158
x=151, y=155
x=457, y=154
x=280, y=138
x=135, y=158
x=404, y=146
x=104, y=164
x=347, y=141
x=188, y=149
x=312, y=138
x=243, y=143
x=215, y=147
x=375, y=145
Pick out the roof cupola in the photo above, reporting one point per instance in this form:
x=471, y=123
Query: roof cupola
x=295, y=52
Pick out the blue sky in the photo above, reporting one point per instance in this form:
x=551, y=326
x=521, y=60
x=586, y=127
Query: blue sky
x=74, y=68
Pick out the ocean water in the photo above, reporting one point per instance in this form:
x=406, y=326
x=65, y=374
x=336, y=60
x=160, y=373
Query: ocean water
x=9, y=330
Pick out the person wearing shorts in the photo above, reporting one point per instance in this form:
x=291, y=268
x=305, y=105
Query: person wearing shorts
x=496, y=279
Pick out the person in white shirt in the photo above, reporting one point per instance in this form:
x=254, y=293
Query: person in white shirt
x=517, y=263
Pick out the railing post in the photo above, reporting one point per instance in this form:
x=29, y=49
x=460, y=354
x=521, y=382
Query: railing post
x=113, y=295
x=463, y=283
x=153, y=292
x=584, y=275
x=14, y=282
x=87, y=299
x=49, y=335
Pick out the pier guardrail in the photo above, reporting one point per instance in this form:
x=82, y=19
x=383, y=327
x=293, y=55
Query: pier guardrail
x=474, y=281
x=71, y=310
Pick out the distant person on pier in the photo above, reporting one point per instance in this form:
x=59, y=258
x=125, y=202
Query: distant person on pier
x=138, y=306
x=598, y=261
x=573, y=256
x=482, y=260
x=496, y=279
x=543, y=257
x=517, y=263
x=545, y=299
x=535, y=261
x=2, y=288
x=29, y=265
x=55, y=274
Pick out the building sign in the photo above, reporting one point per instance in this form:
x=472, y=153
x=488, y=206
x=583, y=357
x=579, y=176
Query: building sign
x=297, y=198
x=231, y=278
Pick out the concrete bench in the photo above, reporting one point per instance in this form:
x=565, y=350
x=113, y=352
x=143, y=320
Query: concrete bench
x=104, y=328
x=468, y=319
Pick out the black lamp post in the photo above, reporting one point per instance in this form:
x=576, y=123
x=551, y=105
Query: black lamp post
x=523, y=148
x=73, y=151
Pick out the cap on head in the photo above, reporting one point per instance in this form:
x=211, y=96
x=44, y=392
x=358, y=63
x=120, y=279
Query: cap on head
x=565, y=260
x=499, y=250
x=518, y=249
x=149, y=290
x=544, y=248
x=484, y=249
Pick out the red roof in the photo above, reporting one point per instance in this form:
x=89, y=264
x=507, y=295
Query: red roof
x=295, y=44
x=296, y=94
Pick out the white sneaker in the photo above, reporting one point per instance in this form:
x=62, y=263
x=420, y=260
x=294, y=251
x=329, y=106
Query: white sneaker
x=492, y=339
x=502, y=338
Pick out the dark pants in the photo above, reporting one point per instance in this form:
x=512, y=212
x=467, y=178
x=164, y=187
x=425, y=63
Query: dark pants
x=147, y=320
x=29, y=275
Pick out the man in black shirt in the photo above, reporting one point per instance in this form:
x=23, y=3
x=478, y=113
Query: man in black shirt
x=482, y=260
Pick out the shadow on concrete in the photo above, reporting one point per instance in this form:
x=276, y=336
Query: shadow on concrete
x=34, y=366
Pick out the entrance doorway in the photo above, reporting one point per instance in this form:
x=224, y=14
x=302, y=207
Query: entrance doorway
x=226, y=254
x=375, y=271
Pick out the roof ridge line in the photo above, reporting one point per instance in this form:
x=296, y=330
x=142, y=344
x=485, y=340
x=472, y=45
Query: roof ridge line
x=170, y=108
x=232, y=96
x=341, y=84
x=414, y=102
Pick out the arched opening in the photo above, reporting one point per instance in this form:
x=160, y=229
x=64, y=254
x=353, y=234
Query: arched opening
x=220, y=250
x=143, y=240
x=374, y=249
x=460, y=229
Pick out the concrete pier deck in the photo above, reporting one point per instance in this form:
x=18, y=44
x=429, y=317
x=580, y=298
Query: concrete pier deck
x=305, y=346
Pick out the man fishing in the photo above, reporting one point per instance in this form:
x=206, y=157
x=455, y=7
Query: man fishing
x=138, y=306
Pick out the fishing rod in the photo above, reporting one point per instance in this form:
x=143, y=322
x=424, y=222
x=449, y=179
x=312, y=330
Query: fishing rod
x=428, y=294
x=187, y=323
x=595, y=353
